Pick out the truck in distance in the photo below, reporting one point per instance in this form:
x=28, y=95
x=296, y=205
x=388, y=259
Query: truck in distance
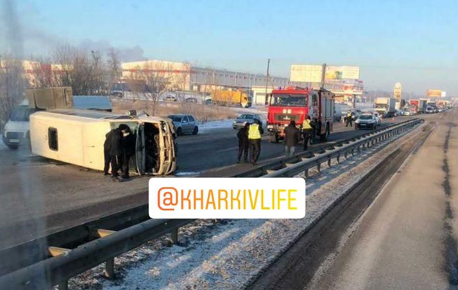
x=385, y=106
x=294, y=103
x=237, y=98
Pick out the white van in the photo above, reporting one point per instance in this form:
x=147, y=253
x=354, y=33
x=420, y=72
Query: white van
x=16, y=131
x=17, y=128
x=77, y=137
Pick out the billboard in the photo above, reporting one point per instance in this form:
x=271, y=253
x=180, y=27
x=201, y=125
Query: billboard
x=342, y=72
x=435, y=93
x=313, y=73
x=306, y=73
x=397, y=92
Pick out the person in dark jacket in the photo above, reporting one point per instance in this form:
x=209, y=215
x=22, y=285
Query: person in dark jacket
x=292, y=137
x=116, y=152
x=128, y=145
x=243, y=143
x=107, y=152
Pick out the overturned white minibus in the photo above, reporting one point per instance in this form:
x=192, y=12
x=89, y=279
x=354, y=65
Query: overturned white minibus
x=77, y=137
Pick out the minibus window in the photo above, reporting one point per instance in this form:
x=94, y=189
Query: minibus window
x=52, y=139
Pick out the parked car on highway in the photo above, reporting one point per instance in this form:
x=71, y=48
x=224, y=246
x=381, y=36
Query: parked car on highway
x=376, y=116
x=184, y=124
x=245, y=118
x=430, y=110
x=170, y=98
x=366, y=121
x=407, y=112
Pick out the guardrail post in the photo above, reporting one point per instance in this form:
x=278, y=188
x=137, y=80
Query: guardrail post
x=174, y=235
x=306, y=173
x=63, y=285
x=329, y=162
x=318, y=166
x=338, y=158
x=109, y=269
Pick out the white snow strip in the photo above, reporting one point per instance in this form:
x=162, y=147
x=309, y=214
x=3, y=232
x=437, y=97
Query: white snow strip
x=188, y=173
x=228, y=254
x=211, y=125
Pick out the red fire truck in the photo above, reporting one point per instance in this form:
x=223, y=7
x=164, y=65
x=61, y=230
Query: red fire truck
x=293, y=103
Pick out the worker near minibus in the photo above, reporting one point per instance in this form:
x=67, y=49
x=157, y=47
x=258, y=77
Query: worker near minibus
x=116, y=152
x=292, y=137
x=242, y=135
x=107, y=152
x=349, y=119
x=306, y=131
x=255, y=132
x=128, y=146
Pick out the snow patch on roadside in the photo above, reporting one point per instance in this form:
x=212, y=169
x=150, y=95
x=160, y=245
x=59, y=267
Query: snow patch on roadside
x=211, y=125
x=228, y=254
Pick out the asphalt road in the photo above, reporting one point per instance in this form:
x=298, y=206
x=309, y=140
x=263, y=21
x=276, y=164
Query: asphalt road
x=39, y=196
x=218, y=148
x=397, y=229
x=408, y=238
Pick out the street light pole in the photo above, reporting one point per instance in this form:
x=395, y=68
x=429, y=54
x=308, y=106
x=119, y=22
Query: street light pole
x=267, y=76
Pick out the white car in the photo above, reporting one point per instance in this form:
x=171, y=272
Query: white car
x=366, y=121
x=407, y=113
x=376, y=116
x=184, y=124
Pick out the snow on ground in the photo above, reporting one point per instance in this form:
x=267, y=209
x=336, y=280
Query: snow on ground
x=228, y=254
x=211, y=125
x=252, y=110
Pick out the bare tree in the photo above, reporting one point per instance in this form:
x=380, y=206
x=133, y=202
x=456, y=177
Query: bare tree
x=12, y=85
x=157, y=79
x=84, y=72
x=113, y=67
x=42, y=74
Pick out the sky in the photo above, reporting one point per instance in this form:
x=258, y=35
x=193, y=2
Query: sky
x=410, y=41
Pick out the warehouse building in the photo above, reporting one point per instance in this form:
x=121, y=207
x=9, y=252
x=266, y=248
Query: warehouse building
x=187, y=77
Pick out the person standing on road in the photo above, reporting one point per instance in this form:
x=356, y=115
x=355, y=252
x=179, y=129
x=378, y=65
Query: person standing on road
x=107, y=152
x=254, y=138
x=128, y=145
x=243, y=143
x=292, y=136
x=116, y=152
x=349, y=119
x=306, y=131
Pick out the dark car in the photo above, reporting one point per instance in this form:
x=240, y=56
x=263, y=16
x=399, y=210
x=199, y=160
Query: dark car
x=245, y=118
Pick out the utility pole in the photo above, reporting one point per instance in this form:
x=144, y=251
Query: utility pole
x=267, y=76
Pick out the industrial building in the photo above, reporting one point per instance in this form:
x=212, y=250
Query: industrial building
x=188, y=77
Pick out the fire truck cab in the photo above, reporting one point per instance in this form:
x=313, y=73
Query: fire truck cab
x=293, y=103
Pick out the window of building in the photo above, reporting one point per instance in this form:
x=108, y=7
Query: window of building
x=53, y=141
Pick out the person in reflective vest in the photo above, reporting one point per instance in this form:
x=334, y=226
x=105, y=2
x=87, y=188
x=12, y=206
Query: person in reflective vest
x=255, y=132
x=349, y=119
x=306, y=131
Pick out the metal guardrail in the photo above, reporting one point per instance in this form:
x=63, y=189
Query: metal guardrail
x=316, y=159
x=285, y=162
x=63, y=255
